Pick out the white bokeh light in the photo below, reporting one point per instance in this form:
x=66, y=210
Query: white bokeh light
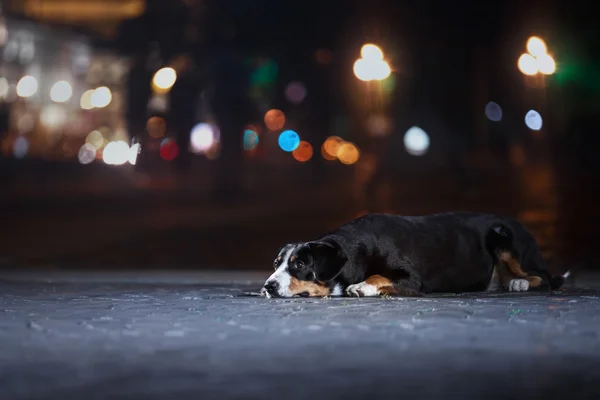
x=134, y=150
x=53, y=116
x=61, y=92
x=101, y=97
x=203, y=137
x=416, y=141
x=116, y=153
x=87, y=154
x=20, y=147
x=533, y=120
x=27, y=86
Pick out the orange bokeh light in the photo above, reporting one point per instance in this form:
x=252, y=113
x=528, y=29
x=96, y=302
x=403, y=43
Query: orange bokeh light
x=156, y=127
x=331, y=147
x=348, y=153
x=274, y=120
x=303, y=152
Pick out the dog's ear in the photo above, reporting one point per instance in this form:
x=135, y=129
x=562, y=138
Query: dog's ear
x=328, y=260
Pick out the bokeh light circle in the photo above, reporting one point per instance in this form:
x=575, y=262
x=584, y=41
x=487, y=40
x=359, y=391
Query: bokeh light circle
x=533, y=120
x=288, y=141
x=303, y=152
x=274, y=120
x=331, y=147
x=203, y=137
x=362, y=70
x=27, y=86
x=61, y=92
x=156, y=127
x=536, y=46
x=168, y=149
x=164, y=79
x=101, y=97
x=116, y=153
x=528, y=64
x=87, y=153
x=95, y=139
x=371, y=52
x=86, y=100
x=295, y=92
x=546, y=64
x=250, y=139
x=348, y=153
x=493, y=111
x=416, y=141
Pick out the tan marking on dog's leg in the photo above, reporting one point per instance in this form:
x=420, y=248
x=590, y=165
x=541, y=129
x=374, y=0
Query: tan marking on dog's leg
x=374, y=285
x=513, y=264
x=313, y=289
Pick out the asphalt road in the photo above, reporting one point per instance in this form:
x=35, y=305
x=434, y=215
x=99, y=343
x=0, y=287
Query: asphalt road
x=198, y=335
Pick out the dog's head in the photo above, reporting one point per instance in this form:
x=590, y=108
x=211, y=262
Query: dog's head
x=305, y=269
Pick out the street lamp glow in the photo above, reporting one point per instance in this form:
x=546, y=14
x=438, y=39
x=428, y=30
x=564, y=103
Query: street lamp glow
x=536, y=47
x=164, y=79
x=528, y=65
x=371, y=52
x=61, y=92
x=546, y=64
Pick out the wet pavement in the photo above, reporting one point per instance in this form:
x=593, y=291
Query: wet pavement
x=200, y=335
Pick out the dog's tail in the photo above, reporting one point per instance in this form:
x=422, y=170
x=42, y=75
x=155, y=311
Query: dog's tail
x=500, y=239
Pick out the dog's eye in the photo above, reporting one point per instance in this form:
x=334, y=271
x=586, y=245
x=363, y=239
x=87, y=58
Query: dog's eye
x=276, y=262
x=299, y=264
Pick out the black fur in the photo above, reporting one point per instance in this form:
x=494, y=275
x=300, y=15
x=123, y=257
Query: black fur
x=450, y=252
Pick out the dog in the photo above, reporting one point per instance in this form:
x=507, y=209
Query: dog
x=392, y=255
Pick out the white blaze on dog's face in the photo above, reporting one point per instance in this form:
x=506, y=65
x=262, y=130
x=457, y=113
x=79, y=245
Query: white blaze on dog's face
x=299, y=271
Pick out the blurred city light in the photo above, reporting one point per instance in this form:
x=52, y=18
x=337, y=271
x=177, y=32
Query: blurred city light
x=53, y=116
x=61, y=92
x=533, y=120
x=250, y=139
x=348, y=153
x=546, y=64
x=164, y=79
x=20, y=147
x=295, y=92
x=26, y=123
x=87, y=153
x=528, y=64
x=203, y=137
x=134, y=150
x=371, y=66
x=101, y=97
x=416, y=141
x=371, y=52
x=536, y=60
x=274, y=120
x=156, y=127
x=95, y=139
x=493, y=111
x=536, y=46
x=288, y=141
x=168, y=149
x=27, y=86
x=331, y=147
x=303, y=152
x=86, y=100
x=116, y=153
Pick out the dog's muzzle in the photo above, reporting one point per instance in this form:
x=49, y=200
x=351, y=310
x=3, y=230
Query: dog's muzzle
x=270, y=289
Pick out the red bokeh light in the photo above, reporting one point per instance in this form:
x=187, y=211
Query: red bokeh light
x=168, y=150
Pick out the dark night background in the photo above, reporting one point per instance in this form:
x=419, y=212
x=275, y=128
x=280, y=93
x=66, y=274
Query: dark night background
x=195, y=208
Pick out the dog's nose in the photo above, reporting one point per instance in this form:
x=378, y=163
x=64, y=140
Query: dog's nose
x=271, y=287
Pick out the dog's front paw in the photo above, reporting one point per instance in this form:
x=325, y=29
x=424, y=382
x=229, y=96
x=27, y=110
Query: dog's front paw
x=362, y=289
x=518, y=285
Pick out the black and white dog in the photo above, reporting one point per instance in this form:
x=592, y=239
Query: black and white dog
x=382, y=254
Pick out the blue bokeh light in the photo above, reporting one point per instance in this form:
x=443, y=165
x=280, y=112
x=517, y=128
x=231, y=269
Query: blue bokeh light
x=250, y=139
x=289, y=141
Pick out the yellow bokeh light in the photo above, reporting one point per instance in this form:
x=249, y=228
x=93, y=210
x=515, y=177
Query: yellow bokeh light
x=303, y=152
x=546, y=64
x=528, y=65
x=536, y=47
x=156, y=127
x=348, y=153
x=164, y=79
x=95, y=139
x=371, y=52
x=86, y=100
x=275, y=120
